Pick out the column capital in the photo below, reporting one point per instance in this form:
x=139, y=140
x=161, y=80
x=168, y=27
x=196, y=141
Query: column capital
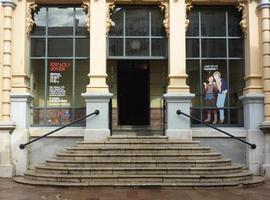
x=11, y=3
x=264, y=4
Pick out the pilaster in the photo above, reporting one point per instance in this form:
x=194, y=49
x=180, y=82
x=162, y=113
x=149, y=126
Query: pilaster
x=20, y=71
x=6, y=126
x=264, y=7
x=253, y=73
x=177, y=48
x=98, y=31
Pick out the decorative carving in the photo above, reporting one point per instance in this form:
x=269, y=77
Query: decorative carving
x=109, y=9
x=86, y=9
x=188, y=8
x=31, y=9
x=164, y=6
x=243, y=23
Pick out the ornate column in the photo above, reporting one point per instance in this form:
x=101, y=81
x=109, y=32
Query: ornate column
x=6, y=126
x=252, y=97
x=177, y=96
x=264, y=7
x=97, y=93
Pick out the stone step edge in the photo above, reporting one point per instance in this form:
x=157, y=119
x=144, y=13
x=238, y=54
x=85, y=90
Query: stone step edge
x=248, y=183
x=139, y=142
x=137, y=148
x=137, y=137
x=54, y=159
x=234, y=175
x=139, y=154
x=233, y=167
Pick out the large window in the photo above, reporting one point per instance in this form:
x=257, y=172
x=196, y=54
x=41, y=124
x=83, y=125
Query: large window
x=138, y=33
x=59, y=65
x=215, y=64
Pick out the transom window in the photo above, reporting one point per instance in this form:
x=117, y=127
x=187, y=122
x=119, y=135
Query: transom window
x=215, y=64
x=138, y=33
x=59, y=64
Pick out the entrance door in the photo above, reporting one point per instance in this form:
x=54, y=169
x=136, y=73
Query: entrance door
x=133, y=93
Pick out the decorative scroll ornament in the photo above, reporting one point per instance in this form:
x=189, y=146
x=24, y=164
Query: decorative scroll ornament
x=188, y=8
x=164, y=6
x=86, y=9
x=109, y=9
x=31, y=9
x=243, y=23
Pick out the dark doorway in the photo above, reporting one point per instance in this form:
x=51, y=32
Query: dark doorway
x=133, y=92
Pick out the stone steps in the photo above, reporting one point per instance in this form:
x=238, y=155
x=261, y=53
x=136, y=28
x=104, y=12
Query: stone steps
x=138, y=163
x=139, y=143
x=178, y=156
x=136, y=150
x=182, y=185
x=144, y=178
x=43, y=169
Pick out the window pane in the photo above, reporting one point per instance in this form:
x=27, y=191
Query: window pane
x=193, y=27
x=59, y=83
x=236, y=48
x=193, y=80
x=40, y=22
x=117, y=18
x=192, y=48
x=236, y=116
x=233, y=22
x=80, y=22
x=157, y=18
x=59, y=116
x=213, y=48
x=37, y=47
x=159, y=47
x=215, y=116
x=82, y=47
x=60, y=47
x=38, y=82
x=137, y=47
x=137, y=22
x=81, y=81
x=60, y=21
x=213, y=22
x=115, y=47
x=195, y=113
x=236, y=81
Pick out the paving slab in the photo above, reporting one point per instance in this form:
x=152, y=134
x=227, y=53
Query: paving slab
x=9, y=190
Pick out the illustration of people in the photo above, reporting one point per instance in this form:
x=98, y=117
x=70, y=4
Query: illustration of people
x=210, y=98
x=222, y=91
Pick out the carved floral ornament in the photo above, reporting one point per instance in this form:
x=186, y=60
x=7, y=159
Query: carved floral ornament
x=164, y=7
x=242, y=7
x=86, y=9
x=31, y=9
x=110, y=5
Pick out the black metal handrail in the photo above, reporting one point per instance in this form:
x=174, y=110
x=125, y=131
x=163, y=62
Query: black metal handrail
x=96, y=112
x=179, y=112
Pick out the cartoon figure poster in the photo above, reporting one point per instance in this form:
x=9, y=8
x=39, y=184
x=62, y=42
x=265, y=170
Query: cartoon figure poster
x=215, y=90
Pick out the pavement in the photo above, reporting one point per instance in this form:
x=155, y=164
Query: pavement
x=10, y=190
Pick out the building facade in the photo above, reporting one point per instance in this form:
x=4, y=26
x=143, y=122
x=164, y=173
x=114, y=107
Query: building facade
x=137, y=62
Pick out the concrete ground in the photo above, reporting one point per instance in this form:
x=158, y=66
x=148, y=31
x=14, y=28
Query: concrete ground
x=10, y=190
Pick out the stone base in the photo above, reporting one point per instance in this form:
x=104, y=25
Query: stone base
x=96, y=134
x=6, y=170
x=266, y=170
x=178, y=127
x=176, y=134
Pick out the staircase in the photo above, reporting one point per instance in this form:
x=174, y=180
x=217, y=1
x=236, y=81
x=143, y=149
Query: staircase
x=139, y=161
